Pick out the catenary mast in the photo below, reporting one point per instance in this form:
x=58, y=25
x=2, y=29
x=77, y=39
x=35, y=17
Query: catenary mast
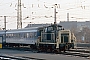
x=19, y=15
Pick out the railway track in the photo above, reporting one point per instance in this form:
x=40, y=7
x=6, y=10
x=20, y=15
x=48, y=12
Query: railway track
x=79, y=52
x=8, y=57
x=82, y=52
x=76, y=52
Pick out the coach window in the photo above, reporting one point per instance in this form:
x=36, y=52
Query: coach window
x=10, y=35
x=24, y=35
x=14, y=35
x=35, y=34
x=31, y=35
x=6, y=35
x=19, y=35
x=27, y=35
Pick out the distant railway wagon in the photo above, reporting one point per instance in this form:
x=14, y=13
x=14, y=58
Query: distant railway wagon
x=51, y=38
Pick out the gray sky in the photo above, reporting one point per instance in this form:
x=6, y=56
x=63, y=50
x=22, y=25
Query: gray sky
x=40, y=11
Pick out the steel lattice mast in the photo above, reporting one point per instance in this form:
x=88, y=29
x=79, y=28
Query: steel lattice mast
x=19, y=15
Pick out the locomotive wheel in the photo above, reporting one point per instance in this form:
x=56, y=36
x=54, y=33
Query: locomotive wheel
x=66, y=47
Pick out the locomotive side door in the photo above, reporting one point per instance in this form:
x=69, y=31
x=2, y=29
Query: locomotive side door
x=64, y=36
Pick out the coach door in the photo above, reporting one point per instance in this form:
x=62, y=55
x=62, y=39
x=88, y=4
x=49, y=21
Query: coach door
x=1, y=39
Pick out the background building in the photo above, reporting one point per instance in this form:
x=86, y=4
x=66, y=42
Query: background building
x=80, y=29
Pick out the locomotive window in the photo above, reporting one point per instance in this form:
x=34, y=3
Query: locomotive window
x=44, y=36
x=64, y=37
x=45, y=29
x=50, y=28
x=53, y=36
x=61, y=39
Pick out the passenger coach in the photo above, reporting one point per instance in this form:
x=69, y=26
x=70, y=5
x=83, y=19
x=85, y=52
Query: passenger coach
x=21, y=37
